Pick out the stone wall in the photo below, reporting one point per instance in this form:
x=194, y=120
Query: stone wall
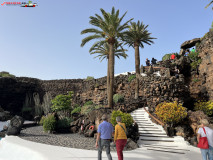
x=16, y=93
x=206, y=67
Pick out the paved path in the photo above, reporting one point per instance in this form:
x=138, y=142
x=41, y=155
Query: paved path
x=15, y=148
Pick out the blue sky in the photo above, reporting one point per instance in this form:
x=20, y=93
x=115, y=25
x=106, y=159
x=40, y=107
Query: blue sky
x=44, y=42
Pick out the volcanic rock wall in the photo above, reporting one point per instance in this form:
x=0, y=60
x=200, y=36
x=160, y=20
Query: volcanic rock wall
x=19, y=93
x=205, y=50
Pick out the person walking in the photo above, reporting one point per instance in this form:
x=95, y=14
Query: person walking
x=120, y=137
x=205, y=131
x=105, y=131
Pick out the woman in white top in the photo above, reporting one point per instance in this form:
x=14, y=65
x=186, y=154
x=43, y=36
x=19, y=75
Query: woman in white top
x=207, y=154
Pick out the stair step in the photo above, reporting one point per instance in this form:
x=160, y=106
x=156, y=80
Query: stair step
x=151, y=132
x=151, y=125
x=172, y=148
x=168, y=151
x=152, y=135
x=156, y=140
x=166, y=139
x=158, y=145
x=150, y=129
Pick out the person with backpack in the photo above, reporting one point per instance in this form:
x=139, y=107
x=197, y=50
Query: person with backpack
x=120, y=137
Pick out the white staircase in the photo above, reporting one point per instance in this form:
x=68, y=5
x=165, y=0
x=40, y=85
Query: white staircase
x=153, y=137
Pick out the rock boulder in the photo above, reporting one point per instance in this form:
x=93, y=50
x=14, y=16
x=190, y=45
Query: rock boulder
x=15, y=125
x=190, y=43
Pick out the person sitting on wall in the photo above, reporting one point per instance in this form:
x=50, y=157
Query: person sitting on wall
x=153, y=61
x=177, y=71
x=147, y=62
x=187, y=52
x=172, y=56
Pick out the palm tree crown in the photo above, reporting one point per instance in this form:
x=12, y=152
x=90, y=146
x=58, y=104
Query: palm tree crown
x=109, y=27
x=138, y=35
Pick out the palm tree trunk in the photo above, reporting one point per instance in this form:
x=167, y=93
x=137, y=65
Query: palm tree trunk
x=111, y=74
x=137, y=70
x=108, y=79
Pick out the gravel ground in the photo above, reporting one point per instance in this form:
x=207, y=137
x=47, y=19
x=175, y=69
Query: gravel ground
x=36, y=134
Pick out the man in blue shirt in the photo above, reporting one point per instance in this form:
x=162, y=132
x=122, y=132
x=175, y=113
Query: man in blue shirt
x=105, y=131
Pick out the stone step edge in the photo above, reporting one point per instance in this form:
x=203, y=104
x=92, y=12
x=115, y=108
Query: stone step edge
x=165, y=151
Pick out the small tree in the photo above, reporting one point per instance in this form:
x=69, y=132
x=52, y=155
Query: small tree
x=62, y=103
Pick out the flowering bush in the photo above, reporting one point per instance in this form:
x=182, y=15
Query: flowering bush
x=206, y=107
x=171, y=112
x=126, y=118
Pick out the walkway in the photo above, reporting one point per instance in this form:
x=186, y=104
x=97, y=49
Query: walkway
x=154, y=145
x=15, y=148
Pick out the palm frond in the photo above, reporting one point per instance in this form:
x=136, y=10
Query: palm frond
x=91, y=30
x=89, y=38
x=209, y=4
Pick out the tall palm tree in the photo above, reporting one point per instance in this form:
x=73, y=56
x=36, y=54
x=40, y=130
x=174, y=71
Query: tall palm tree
x=103, y=50
x=135, y=37
x=209, y=4
x=109, y=29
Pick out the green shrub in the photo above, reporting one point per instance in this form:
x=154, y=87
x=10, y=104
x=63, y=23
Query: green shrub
x=205, y=106
x=195, y=80
x=89, y=78
x=131, y=77
x=42, y=120
x=196, y=60
x=126, y=118
x=76, y=110
x=117, y=98
x=171, y=113
x=63, y=123
x=98, y=106
x=49, y=123
x=62, y=102
x=86, y=109
x=6, y=74
x=88, y=103
x=168, y=56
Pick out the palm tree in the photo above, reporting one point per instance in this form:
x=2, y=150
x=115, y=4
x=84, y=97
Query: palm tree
x=109, y=29
x=103, y=50
x=135, y=37
x=209, y=4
